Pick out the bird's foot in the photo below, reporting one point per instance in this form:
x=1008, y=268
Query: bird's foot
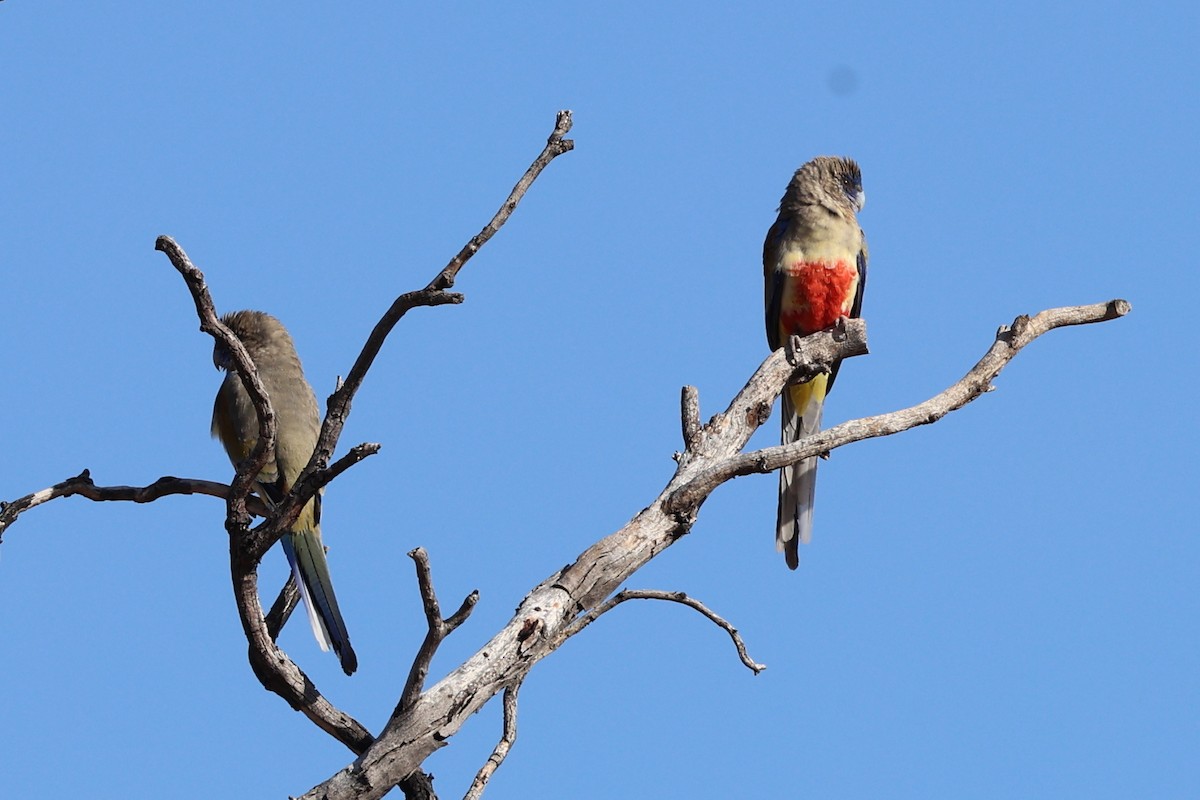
x=791, y=347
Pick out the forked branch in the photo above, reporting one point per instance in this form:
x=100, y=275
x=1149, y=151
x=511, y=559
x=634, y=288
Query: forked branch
x=438, y=629
x=1009, y=341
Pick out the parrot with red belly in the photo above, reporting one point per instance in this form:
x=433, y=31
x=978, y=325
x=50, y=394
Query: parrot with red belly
x=815, y=270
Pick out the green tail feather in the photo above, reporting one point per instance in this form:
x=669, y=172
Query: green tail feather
x=306, y=555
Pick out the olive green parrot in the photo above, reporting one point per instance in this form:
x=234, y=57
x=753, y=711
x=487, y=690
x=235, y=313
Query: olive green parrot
x=298, y=424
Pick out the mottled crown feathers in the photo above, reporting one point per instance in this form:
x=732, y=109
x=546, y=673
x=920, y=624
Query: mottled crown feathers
x=824, y=181
x=256, y=330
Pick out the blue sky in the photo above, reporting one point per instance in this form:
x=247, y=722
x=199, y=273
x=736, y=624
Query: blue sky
x=1003, y=604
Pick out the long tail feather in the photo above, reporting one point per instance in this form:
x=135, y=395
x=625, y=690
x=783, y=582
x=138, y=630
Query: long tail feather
x=802, y=407
x=306, y=555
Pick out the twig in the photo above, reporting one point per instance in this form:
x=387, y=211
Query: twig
x=674, y=597
x=556, y=145
x=356, y=454
x=438, y=629
x=689, y=415
x=507, y=738
x=282, y=608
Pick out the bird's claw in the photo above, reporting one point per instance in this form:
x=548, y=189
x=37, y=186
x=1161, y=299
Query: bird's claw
x=791, y=349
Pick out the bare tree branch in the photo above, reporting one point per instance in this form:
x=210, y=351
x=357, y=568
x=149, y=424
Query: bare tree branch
x=507, y=738
x=554, y=605
x=438, y=629
x=556, y=145
x=1009, y=341
x=82, y=486
x=674, y=597
x=279, y=674
x=356, y=454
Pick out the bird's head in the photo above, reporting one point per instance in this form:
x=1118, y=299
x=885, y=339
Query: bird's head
x=828, y=180
x=254, y=329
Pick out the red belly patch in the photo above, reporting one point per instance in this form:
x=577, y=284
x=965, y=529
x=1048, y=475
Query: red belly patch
x=815, y=295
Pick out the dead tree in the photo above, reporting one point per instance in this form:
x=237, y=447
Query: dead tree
x=566, y=602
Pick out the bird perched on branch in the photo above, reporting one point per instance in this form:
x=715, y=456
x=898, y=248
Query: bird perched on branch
x=235, y=423
x=815, y=269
